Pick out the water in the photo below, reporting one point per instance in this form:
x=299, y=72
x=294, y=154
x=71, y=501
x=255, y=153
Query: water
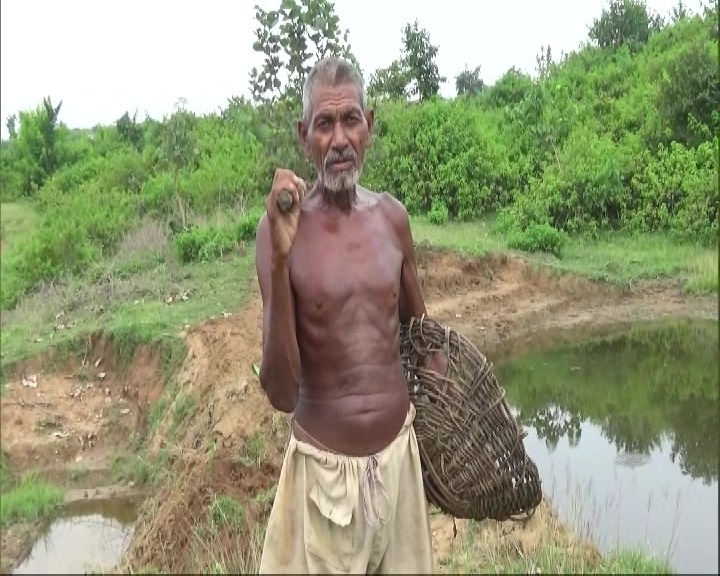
x=624, y=430
x=87, y=535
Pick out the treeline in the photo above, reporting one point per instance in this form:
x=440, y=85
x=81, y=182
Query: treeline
x=621, y=134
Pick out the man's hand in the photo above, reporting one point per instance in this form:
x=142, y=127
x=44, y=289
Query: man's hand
x=283, y=224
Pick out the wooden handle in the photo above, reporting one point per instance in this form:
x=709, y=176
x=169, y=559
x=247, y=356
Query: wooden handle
x=284, y=201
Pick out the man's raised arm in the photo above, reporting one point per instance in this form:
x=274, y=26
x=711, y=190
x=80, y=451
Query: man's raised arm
x=280, y=367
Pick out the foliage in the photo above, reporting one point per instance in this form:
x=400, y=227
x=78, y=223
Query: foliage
x=469, y=82
x=415, y=73
x=625, y=23
x=619, y=135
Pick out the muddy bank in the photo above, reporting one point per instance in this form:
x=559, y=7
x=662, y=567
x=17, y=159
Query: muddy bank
x=218, y=433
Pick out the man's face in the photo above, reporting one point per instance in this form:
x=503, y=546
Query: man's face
x=336, y=136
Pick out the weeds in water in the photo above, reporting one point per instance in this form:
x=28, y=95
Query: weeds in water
x=31, y=498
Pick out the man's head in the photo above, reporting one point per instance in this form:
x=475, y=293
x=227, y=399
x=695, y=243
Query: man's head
x=335, y=126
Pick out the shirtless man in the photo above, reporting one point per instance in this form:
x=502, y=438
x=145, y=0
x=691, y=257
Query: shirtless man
x=337, y=275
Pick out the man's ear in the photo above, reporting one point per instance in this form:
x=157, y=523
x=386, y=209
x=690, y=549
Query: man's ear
x=302, y=132
x=370, y=119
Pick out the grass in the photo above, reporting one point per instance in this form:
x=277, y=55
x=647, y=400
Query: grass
x=29, y=499
x=145, y=292
x=478, y=554
x=17, y=222
x=149, y=295
x=475, y=551
x=617, y=258
x=138, y=468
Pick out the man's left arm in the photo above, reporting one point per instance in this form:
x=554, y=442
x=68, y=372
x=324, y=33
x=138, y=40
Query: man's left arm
x=410, y=301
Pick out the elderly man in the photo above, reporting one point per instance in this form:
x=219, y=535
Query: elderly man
x=337, y=275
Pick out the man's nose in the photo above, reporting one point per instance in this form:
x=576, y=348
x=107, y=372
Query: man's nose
x=339, y=141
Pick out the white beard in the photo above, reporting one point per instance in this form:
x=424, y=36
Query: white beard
x=336, y=182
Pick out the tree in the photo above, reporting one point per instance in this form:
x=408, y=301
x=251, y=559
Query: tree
x=625, y=23
x=415, y=73
x=390, y=82
x=469, y=83
x=291, y=39
x=40, y=145
x=129, y=131
x=11, y=124
x=679, y=12
x=178, y=149
x=419, y=59
x=689, y=92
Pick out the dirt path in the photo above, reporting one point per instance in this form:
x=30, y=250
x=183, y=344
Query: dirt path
x=81, y=413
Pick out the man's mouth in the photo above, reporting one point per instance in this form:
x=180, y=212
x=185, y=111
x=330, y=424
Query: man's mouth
x=341, y=165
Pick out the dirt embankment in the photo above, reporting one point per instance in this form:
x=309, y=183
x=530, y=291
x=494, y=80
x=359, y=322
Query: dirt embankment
x=220, y=433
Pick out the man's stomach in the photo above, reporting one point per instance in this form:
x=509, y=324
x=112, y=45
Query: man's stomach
x=357, y=420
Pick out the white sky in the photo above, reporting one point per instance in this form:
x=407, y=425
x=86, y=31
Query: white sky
x=102, y=58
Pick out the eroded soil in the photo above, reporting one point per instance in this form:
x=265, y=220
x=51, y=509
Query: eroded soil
x=232, y=442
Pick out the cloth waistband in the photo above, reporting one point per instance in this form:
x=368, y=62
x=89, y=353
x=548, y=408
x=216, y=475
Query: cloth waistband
x=371, y=488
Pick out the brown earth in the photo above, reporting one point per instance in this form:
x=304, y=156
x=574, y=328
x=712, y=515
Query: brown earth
x=232, y=442
x=78, y=412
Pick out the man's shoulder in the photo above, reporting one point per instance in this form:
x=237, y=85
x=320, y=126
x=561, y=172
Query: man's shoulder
x=394, y=210
x=390, y=205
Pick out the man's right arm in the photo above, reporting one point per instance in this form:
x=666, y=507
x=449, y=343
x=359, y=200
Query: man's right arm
x=280, y=367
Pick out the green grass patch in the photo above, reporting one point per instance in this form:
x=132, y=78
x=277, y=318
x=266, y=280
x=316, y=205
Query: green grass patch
x=614, y=257
x=29, y=499
x=149, y=296
x=17, y=222
x=155, y=303
x=182, y=410
x=139, y=468
x=225, y=510
x=477, y=553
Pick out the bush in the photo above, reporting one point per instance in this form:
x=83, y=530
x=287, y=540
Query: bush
x=247, y=224
x=537, y=238
x=439, y=214
x=202, y=244
x=618, y=135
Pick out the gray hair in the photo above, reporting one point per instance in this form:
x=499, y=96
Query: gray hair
x=331, y=71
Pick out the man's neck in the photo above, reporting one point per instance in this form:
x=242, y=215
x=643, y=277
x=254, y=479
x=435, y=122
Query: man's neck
x=343, y=200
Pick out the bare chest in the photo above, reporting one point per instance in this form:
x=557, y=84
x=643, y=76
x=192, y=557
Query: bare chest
x=332, y=267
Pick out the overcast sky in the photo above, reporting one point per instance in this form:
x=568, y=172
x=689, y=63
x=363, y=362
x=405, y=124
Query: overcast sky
x=102, y=58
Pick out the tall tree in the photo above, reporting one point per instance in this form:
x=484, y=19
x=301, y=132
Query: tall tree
x=419, y=56
x=469, y=82
x=415, y=73
x=291, y=39
x=178, y=150
x=625, y=23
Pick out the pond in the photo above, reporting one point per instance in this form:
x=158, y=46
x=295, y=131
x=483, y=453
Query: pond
x=86, y=535
x=624, y=430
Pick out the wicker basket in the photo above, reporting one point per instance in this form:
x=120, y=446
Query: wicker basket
x=471, y=446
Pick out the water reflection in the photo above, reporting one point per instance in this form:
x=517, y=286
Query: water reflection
x=633, y=419
x=86, y=535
